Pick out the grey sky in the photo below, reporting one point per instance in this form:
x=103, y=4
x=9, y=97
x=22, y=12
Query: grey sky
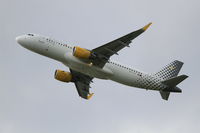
x=31, y=100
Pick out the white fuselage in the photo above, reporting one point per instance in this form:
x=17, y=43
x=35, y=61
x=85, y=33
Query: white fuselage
x=113, y=71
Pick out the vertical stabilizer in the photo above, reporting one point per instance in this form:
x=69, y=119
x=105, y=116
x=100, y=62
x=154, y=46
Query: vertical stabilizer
x=171, y=70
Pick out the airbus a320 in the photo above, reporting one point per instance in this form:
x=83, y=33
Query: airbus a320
x=84, y=65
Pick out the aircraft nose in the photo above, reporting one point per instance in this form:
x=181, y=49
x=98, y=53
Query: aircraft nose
x=22, y=40
x=25, y=41
x=19, y=40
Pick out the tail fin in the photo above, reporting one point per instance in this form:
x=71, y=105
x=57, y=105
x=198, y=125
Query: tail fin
x=170, y=79
x=171, y=70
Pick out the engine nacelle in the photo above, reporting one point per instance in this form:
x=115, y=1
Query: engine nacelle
x=63, y=76
x=81, y=53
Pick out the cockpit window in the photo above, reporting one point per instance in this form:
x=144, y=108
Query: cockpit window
x=30, y=34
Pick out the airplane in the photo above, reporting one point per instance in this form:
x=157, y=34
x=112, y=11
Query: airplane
x=85, y=65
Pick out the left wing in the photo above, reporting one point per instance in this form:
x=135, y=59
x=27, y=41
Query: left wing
x=82, y=83
x=104, y=52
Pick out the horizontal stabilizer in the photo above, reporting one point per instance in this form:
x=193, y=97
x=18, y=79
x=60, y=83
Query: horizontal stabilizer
x=172, y=82
x=164, y=95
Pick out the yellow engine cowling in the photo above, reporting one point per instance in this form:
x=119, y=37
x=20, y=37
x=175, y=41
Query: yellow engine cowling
x=81, y=53
x=63, y=76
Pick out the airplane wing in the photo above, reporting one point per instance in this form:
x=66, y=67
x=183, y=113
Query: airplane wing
x=105, y=51
x=82, y=83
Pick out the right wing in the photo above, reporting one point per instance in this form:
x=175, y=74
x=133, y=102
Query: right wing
x=104, y=52
x=82, y=83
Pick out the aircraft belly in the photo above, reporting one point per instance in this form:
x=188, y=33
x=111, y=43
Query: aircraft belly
x=56, y=53
x=80, y=66
x=123, y=76
x=48, y=50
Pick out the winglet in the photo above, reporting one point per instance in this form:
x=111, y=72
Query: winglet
x=90, y=64
x=90, y=95
x=146, y=26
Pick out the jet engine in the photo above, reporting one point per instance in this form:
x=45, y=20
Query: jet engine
x=63, y=76
x=81, y=53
